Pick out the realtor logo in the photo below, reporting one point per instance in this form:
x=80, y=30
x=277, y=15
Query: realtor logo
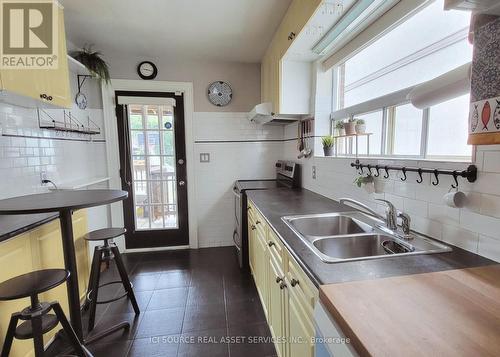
x=28, y=34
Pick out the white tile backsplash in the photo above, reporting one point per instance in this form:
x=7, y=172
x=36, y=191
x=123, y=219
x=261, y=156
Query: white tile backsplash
x=238, y=150
x=26, y=151
x=476, y=227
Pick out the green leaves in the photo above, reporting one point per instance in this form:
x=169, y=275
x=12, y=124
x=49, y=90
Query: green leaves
x=93, y=61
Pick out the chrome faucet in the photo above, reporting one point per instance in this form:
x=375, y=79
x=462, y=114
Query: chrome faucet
x=390, y=215
x=405, y=223
x=361, y=205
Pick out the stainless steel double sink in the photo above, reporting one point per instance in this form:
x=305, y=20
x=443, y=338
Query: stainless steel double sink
x=348, y=236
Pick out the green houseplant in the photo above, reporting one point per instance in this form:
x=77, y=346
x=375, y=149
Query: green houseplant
x=367, y=182
x=339, y=127
x=327, y=142
x=360, y=126
x=350, y=126
x=94, y=62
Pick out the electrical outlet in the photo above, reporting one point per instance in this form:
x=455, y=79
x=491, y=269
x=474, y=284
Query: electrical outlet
x=43, y=176
x=204, y=157
x=314, y=172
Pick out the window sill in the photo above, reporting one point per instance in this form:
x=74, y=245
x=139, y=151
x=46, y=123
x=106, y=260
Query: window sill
x=406, y=159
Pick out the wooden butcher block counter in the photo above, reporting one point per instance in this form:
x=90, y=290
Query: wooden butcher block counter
x=448, y=313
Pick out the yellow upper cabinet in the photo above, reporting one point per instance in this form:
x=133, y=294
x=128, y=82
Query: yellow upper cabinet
x=49, y=87
x=298, y=14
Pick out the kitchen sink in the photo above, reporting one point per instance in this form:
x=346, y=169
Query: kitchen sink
x=329, y=225
x=348, y=236
x=358, y=246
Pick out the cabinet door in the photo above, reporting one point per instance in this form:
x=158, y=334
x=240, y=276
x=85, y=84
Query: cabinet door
x=15, y=259
x=300, y=328
x=262, y=267
x=34, y=82
x=276, y=305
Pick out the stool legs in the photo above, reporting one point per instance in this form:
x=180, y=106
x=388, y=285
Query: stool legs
x=94, y=285
x=70, y=333
x=9, y=338
x=124, y=277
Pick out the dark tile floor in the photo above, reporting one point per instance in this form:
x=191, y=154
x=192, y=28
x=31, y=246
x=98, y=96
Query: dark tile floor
x=193, y=303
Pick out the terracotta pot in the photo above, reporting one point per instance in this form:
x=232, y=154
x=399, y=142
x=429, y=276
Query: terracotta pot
x=350, y=128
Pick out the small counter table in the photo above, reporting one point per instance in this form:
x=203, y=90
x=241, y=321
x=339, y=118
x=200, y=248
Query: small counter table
x=65, y=202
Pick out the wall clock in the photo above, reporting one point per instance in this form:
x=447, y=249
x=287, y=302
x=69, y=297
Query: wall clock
x=147, y=70
x=220, y=93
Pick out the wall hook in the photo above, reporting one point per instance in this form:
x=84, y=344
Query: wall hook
x=378, y=172
x=456, y=180
x=404, y=174
x=420, y=179
x=360, y=169
x=435, y=183
x=369, y=169
x=386, y=172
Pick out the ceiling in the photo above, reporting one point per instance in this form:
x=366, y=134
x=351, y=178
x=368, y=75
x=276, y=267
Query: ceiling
x=218, y=30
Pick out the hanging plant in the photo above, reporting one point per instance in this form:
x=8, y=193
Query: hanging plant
x=367, y=182
x=94, y=62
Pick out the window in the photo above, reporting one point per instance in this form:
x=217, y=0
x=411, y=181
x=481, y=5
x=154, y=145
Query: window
x=430, y=43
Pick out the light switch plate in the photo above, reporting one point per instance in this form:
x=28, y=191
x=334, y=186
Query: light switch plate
x=204, y=157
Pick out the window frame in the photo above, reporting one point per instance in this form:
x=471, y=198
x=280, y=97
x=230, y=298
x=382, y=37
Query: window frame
x=388, y=102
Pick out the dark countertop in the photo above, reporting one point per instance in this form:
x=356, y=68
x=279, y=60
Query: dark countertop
x=13, y=225
x=275, y=203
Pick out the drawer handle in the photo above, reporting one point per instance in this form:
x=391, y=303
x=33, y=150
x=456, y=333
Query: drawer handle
x=257, y=222
x=253, y=227
x=294, y=282
x=282, y=285
x=278, y=280
x=270, y=244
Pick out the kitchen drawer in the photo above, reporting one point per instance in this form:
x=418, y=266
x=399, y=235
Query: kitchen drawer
x=276, y=248
x=301, y=285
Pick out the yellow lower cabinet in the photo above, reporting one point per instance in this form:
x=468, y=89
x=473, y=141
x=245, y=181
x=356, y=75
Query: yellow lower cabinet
x=39, y=249
x=300, y=328
x=15, y=259
x=277, y=306
x=262, y=268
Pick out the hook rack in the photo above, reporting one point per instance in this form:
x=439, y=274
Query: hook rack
x=470, y=173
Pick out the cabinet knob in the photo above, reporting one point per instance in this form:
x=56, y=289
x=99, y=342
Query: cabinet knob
x=294, y=282
x=257, y=222
x=291, y=36
x=253, y=227
x=278, y=280
x=270, y=244
x=249, y=208
x=282, y=285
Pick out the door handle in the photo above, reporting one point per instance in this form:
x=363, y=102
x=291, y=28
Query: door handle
x=182, y=183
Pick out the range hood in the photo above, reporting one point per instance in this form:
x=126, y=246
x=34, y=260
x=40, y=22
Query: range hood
x=263, y=114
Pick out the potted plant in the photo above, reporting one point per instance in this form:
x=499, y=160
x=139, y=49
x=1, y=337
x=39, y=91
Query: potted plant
x=94, y=63
x=327, y=145
x=339, y=126
x=350, y=126
x=360, y=126
x=367, y=182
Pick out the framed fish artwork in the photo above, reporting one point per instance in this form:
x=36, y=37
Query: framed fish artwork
x=484, y=112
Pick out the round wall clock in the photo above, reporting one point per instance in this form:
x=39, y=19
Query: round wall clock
x=220, y=93
x=147, y=70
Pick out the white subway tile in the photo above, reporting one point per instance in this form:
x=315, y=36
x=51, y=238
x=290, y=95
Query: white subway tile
x=415, y=207
x=461, y=238
x=479, y=223
x=489, y=247
x=492, y=161
x=444, y=214
x=490, y=205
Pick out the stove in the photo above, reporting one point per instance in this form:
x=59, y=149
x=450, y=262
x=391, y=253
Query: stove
x=287, y=176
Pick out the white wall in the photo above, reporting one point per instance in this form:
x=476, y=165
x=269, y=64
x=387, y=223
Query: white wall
x=244, y=78
x=475, y=227
x=238, y=150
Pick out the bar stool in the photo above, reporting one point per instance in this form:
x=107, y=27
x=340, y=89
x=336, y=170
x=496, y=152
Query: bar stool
x=105, y=253
x=36, y=317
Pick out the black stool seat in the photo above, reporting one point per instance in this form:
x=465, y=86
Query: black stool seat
x=32, y=283
x=104, y=234
x=25, y=330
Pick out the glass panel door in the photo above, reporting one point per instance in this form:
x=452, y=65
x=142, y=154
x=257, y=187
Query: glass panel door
x=153, y=165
